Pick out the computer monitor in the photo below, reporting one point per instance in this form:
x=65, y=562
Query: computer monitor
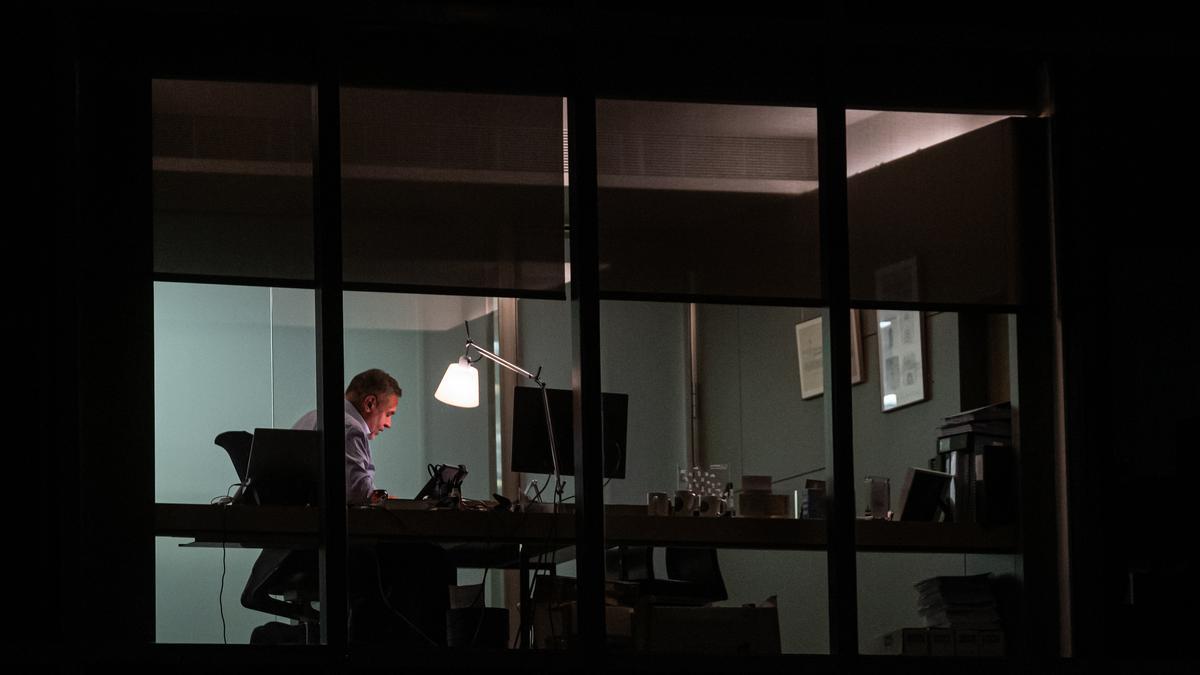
x=924, y=494
x=284, y=467
x=531, y=446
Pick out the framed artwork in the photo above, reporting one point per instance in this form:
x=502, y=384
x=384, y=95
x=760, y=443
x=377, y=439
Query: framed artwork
x=810, y=348
x=901, y=358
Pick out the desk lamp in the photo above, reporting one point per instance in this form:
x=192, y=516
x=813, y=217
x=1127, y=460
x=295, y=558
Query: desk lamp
x=460, y=388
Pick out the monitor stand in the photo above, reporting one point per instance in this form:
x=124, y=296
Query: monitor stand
x=530, y=506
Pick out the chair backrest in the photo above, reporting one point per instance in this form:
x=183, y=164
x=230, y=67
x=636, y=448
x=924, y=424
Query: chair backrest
x=698, y=566
x=629, y=563
x=237, y=444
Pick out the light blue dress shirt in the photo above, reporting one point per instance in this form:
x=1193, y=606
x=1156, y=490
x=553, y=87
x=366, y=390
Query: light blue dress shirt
x=360, y=472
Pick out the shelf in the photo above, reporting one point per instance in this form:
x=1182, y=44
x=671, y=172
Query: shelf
x=915, y=537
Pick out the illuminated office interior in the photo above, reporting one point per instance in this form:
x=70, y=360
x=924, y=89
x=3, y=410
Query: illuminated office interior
x=636, y=216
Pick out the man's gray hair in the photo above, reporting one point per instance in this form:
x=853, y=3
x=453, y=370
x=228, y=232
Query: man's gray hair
x=371, y=382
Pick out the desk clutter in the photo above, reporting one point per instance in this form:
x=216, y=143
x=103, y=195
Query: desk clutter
x=709, y=493
x=703, y=492
x=756, y=500
x=961, y=619
x=971, y=480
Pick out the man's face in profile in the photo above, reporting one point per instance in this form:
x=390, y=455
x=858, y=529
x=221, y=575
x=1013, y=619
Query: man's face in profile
x=377, y=412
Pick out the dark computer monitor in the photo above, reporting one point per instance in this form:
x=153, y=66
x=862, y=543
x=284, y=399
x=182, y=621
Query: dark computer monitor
x=531, y=446
x=284, y=467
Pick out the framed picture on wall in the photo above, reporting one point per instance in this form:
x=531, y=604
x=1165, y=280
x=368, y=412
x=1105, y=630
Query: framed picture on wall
x=811, y=351
x=901, y=358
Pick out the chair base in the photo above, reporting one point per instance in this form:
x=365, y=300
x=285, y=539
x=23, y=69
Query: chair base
x=277, y=633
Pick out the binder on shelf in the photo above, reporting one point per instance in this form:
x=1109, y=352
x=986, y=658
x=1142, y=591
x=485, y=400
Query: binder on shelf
x=958, y=463
x=975, y=447
x=993, y=485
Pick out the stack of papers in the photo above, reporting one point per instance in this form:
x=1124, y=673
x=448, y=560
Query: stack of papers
x=960, y=602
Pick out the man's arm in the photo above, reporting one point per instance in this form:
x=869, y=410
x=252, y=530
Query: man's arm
x=360, y=472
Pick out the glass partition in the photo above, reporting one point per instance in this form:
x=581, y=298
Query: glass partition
x=232, y=167
x=758, y=413
x=226, y=358
x=937, y=206
x=934, y=202
x=413, y=338
x=403, y=581
x=707, y=200
x=456, y=190
x=703, y=203
x=938, y=486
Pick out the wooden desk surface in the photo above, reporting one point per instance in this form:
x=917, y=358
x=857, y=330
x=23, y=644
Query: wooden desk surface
x=299, y=525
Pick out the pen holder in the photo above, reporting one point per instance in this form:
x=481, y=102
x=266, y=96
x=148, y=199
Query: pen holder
x=686, y=503
x=658, y=504
x=711, y=506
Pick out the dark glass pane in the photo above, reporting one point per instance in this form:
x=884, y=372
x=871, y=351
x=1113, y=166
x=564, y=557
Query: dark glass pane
x=935, y=456
x=232, y=179
x=453, y=190
x=937, y=203
x=708, y=200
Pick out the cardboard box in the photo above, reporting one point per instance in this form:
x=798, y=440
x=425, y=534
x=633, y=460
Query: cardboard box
x=618, y=625
x=762, y=505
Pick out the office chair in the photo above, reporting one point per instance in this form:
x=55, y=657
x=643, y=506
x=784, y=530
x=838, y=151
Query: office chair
x=693, y=574
x=289, y=573
x=237, y=444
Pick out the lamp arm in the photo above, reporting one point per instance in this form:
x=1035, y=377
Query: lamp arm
x=496, y=359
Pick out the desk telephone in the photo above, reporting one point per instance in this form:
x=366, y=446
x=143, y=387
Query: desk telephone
x=444, y=485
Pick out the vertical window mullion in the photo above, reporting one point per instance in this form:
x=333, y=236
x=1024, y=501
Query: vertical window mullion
x=327, y=252
x=839, y=450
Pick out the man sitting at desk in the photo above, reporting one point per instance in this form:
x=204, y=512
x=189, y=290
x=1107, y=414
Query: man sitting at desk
x=371, y=400
x=411, y=577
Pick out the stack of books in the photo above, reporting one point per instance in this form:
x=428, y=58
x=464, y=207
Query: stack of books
x=990, y=420
x=975, y=446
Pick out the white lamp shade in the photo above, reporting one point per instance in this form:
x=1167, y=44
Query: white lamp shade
x=460, y=385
